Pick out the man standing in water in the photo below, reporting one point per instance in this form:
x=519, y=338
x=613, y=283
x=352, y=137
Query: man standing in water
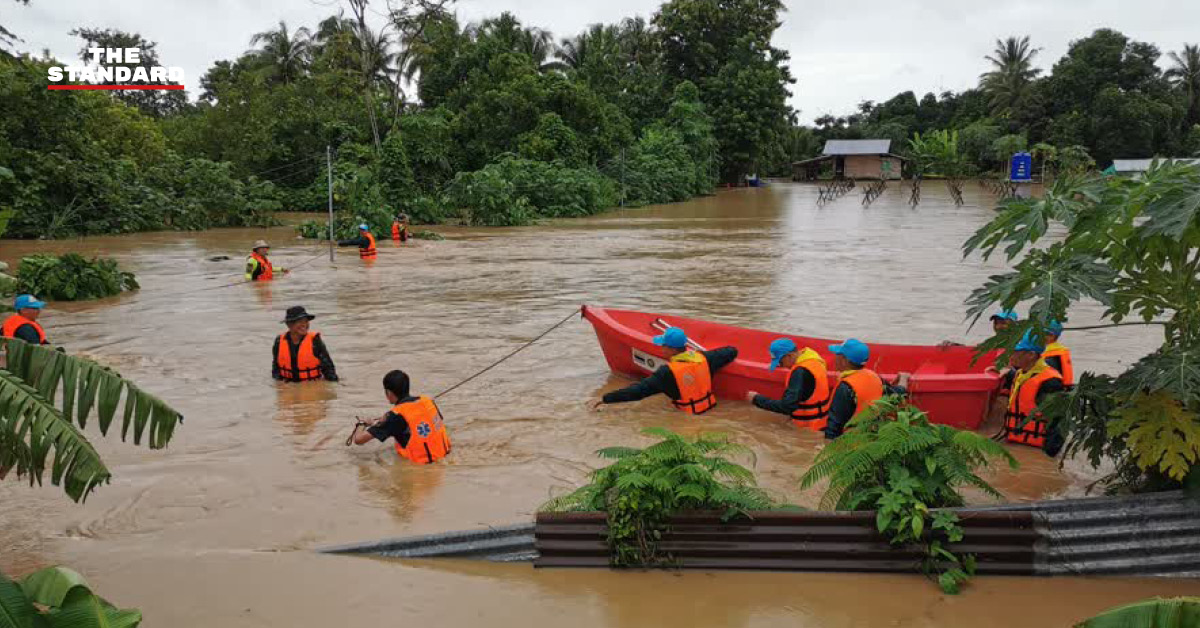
x=258, y=266
x=1000, y=322
x=23, y=324
x=300, y=356
x=858, y=387
x=806, y=398
x=686, y=378
x=1031, y=383
x=415, y=423
x=365, y=242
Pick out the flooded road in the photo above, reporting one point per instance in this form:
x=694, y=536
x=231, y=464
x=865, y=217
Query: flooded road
x=217, y=529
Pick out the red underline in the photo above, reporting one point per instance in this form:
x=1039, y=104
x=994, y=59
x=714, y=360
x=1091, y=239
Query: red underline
x=74, y=87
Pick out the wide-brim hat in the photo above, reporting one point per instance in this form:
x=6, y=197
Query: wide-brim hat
x=297, y=313
x=260, y=244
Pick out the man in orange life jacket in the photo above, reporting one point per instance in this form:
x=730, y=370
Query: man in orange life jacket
x=806, y=398
x=258, y=267
x=686, y=378
x=1057, y=355
x=858, y=387
x=1031, y=383
x=415, y=423
x=299, y=356
x=365, y=242
x=400, y=228
x=23, y=324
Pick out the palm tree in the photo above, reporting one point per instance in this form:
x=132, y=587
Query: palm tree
x=32, y=426
x=506, y=30
x=1009, y=81
x=1185, y=74
x=285, y=53
x=599, y=41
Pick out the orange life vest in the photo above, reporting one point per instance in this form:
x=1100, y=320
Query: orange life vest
x=15, y=322
x=369, y=252
x=427, y=438
x=268, y=271
x=1021, y=402
x=694, y=382
x=398, y=231
x=813, y=411
x=1056, y=350
x=301, y=367
x=867, y=387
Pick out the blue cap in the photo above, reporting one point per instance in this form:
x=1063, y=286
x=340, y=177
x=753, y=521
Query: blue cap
x=1006, y=315
x=779, y=348
x=673, y=338
x=1055, y=328
x=27, y=301
x=364, y=227
x=853, y=350
x=1031, y=342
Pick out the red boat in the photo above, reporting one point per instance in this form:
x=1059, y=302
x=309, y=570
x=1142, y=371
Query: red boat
x=944, y=383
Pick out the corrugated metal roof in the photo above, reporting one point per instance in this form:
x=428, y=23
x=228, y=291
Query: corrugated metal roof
x=857, y=147
x=512, y=543
x=1142, y=165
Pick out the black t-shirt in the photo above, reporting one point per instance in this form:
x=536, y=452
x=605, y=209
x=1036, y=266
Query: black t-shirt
x=393, y=426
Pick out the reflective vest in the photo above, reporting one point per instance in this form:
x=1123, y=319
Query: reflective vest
x=268, y=271
x=1022, y=402
x=1056, y=350
x=813, y=411
x=694, y=381
x=867, y=387
x=15, y=322
x=369, y=252
x=399, y=232
x=427, y=438
x=301, y=367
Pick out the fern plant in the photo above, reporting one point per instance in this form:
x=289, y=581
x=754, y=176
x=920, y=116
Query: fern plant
x=897, y=463
x=644, y=487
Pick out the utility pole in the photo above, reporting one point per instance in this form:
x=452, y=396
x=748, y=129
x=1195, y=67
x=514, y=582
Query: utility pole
x=329, y=166
x=622, y=176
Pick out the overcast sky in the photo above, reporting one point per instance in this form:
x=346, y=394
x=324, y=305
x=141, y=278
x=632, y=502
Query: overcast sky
x=843, y=51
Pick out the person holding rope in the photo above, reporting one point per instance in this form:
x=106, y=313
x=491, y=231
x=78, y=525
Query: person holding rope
x=258, y=266
x=414, y=423
x=300, y=356
x=686, y=378
x=365, y=242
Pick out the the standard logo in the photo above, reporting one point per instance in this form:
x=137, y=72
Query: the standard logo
x=114, y=68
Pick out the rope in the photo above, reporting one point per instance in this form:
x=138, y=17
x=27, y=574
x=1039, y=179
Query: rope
x=515, y=352
x=1113, y=325
x=358, y=422
x=238, y=283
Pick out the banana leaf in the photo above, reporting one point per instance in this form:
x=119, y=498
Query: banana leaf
x=1180, y=612
x=16, y=611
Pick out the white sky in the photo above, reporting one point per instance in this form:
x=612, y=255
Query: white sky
x=843, y=51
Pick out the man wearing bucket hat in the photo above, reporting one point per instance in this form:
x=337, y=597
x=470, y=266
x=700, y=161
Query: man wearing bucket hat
x=806, y=398
x=858, y=386
x=1032, y=382
x=258, y=267
x=23, y=324
x=298, y=355
x=365, y=242
x=686, y=377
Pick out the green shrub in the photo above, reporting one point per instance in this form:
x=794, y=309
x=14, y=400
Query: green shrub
x=644, y=487
x=897, y=463
x=425, y=234
x=515, y=191
x=70, y=277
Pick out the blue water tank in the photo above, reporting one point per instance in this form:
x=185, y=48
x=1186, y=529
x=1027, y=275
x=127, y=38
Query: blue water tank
x=1021, y=168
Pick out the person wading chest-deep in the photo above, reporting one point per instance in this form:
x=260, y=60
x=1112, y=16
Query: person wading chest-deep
x=1031, y=383
x=858, y=387
x=298, y=355
x=1057, y=355
x=23, y=324
x=806, y=397
x=686, y=378
x=414, y=423
x=365, y=243
x=259, y=266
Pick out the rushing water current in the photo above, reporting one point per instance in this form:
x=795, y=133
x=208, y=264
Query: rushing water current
x=217, y=530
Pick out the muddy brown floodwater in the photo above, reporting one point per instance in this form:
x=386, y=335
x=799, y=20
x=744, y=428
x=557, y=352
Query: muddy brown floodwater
x=218, y=530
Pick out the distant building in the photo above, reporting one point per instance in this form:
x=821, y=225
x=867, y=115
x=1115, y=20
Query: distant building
x=852, y=159
x=1134, y=167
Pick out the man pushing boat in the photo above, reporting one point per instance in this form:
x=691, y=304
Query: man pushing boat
x=686, y=378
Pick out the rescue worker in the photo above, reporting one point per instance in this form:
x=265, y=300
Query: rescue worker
x=300, y=356
x=858, y=387
x=365, y=242
x=1000, y=321
x=258, y=267
x=1031, y=383
x=686, y=378
x=400, y=228
x=1058, y=356
x=806, y=398
x=23, y=323
x=415, y=423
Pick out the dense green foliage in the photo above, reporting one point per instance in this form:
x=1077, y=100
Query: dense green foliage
x=1179, y=612
x=1106, y=98
x=897, y=463
x=1131, y=245
x=70, y=277
x=644, y=487
x=57, y=597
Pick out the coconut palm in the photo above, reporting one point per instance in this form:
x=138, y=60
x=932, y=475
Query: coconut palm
x=507, y=31
x=285, y=53
x=33, y=427
x=1185, y=75
x=1013, y=73
x=598, y=41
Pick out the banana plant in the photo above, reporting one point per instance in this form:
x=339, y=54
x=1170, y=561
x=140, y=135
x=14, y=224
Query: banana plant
x=1180, y=612
x=36, y=429
x=58, y=597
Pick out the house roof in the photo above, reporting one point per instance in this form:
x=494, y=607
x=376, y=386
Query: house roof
x=1142, y=165
x=857, y=147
